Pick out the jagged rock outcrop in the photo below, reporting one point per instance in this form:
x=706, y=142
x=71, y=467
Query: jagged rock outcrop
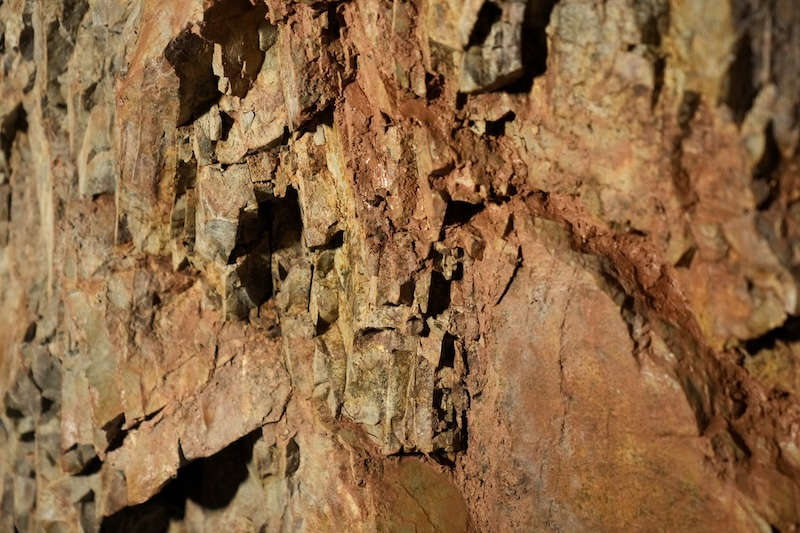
x=407, y=265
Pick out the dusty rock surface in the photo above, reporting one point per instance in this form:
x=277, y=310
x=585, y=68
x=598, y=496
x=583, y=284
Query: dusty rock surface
x=399, y=265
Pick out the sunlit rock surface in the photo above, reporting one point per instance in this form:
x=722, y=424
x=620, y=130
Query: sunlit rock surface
x=399, y=265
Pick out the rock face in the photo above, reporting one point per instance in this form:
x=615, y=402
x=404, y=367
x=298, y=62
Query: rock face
x=399, y=265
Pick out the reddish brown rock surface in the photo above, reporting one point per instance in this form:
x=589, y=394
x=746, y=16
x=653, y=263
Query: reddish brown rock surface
x=409, y=265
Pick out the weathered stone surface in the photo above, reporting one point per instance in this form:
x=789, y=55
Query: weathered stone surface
x=419, y=265
x=493, y=57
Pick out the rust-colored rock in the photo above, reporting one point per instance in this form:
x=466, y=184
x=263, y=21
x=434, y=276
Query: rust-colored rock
x=407, y=265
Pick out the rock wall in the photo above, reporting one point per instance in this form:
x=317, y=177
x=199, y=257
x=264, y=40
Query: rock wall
x=409, y=265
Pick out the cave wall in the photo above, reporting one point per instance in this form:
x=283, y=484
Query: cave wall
x=407, y=265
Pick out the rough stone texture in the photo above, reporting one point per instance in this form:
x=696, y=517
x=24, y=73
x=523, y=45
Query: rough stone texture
x=399, y=265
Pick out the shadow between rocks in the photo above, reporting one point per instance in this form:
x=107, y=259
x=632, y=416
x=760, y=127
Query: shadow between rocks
x=210, y=482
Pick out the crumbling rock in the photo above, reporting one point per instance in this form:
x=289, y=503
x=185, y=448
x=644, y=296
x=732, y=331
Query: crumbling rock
x=419, y=265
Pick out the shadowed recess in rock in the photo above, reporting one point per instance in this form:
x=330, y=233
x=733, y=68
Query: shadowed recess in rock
x=191, y=55
x=787, y=332
x=287, y=222
x=26, y=38
x=765, y=184
x=458, y=212
x=211, y=482
x=234, y=26
x=741, y=90
x=488, y=15
x=226, y=55
x=439, y=295
x=14, y=122
x=534, y=44
x=275, y=226
x=497, y=128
